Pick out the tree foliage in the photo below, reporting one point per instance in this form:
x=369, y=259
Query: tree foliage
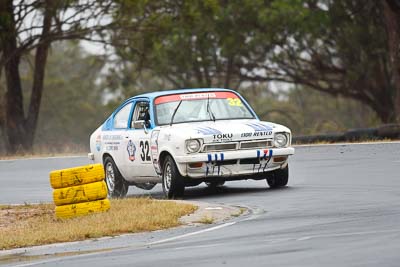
x=188, y=43
x=342, y=47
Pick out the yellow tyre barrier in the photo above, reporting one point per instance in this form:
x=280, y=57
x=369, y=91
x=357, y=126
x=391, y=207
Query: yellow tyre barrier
x=77, y=176
x=80, y=193
x=80, y=209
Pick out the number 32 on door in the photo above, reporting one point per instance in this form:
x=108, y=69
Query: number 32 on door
x=145, y=151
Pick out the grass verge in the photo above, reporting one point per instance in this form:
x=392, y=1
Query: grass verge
x=206, y=220
x=240, y=212
x=31, y=225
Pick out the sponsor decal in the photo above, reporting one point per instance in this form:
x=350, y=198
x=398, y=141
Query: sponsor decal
x=131, y=148
x=262, y=133
x=259, y=130
x=195, y=96
x=111, y=148
x=112, y=142
x=235, y=102
x=198, y=96
x=223, y=137
x=218, y=136
x=112, y=137
x=210, y=166
x=256, y=134
x=154, y=150
x=264, y=159
x=98, y=143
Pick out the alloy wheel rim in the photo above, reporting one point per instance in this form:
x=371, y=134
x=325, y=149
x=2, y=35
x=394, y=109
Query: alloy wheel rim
x=110, y=177
x=167, y=177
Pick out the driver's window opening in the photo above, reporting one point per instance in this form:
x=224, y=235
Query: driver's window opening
x=142, y=114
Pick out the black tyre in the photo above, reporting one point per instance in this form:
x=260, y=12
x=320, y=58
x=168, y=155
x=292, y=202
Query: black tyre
x=215, y=184
x=278, y=178
x=172, y=181
x=116, y=184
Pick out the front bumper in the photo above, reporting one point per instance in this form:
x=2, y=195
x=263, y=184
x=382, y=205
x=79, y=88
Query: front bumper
x=233, y=163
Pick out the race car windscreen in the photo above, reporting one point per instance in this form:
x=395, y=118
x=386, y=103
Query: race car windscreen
x=200, y=107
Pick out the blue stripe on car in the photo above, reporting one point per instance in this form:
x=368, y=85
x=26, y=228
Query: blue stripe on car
x=207, y=130
x=266, y=128
x=215, y=131
x=259, y=127
x=252, y=126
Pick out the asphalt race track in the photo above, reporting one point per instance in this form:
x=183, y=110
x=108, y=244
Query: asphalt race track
x=341, y=208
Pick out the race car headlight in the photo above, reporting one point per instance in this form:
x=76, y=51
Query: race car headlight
x=281, y=140
x=193, y=145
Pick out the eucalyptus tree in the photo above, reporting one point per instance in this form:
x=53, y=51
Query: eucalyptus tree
x=30, y=27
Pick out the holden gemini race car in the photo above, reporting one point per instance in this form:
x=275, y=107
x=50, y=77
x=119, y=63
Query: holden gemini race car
x=182, y=138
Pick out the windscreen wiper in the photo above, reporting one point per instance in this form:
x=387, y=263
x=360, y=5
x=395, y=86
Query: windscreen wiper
x=173, y=114
x=209, y=109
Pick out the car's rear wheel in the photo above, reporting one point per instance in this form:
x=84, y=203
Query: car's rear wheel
x=116, y=184
x=278, y=178
x=172, y=181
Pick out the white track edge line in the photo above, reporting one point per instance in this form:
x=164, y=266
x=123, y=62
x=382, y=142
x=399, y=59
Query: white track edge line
x=192, y=233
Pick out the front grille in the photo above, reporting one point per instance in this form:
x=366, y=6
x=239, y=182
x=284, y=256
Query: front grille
x=220, y=147
x=256, y=144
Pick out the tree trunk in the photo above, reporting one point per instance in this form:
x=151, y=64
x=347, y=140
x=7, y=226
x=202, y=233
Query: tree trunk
x=39, y=73
x=391, y=11
x=20, y=132
x=14, y=111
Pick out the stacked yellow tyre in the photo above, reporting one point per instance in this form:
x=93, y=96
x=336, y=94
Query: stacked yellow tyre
x=79, y=191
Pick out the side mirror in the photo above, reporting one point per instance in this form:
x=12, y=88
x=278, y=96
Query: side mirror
x=142, y=125
x=138, y=124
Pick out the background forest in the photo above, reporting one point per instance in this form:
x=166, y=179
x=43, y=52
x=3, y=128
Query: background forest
x=315, y=66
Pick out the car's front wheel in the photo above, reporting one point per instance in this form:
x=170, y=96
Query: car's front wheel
x=278, y=178
x=116, y=184
x=172, y=181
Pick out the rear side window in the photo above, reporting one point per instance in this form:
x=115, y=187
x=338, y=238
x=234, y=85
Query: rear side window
x=122, y=117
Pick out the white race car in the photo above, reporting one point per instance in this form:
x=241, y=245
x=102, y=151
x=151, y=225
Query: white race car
x=182, y=138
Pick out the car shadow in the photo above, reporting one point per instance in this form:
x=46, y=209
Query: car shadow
x=201, y=192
